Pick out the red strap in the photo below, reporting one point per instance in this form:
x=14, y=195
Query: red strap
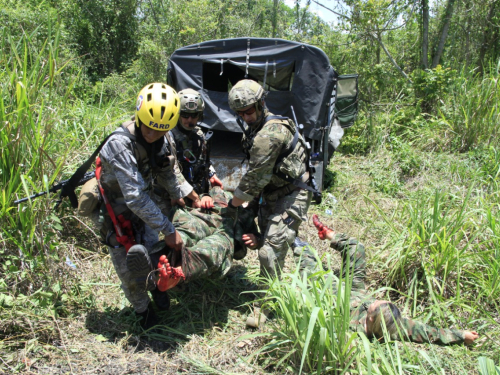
x=123, y=228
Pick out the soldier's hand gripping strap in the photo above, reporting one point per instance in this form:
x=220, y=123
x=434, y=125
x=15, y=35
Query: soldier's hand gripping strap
x=123, y=228
x=323, y=230
x=169, y=276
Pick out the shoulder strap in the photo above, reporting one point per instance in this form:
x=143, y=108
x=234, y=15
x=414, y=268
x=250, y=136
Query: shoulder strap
x=273, y=117
x=288, y=150
x=68, y=189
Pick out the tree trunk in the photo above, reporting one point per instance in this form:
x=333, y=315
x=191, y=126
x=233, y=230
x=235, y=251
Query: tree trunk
x=487, y=37
x=275, y=17
x=425, y=34
x=444, y=32
x=378, y=38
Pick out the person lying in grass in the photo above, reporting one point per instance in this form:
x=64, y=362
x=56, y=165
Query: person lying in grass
x=369, y=315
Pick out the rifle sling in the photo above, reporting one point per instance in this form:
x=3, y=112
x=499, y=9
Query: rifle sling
x=297, y=182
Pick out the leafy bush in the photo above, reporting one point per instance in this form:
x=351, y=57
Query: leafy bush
x=431, y=86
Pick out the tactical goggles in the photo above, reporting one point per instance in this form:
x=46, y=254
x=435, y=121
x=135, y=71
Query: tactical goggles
x=249, y=111
x=188, y=115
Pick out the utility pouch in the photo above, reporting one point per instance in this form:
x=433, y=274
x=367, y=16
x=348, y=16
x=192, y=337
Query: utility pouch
x=90, y=198
x=292, y=165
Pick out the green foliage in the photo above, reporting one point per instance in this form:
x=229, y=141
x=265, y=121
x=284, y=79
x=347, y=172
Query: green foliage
x=474, y=111
x=487, y=366
x=431, y=85
x=105, y=33
x=433, y=248
x=312, y=332
x=70, y=70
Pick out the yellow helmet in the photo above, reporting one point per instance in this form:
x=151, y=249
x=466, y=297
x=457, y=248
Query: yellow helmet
x=158, y=107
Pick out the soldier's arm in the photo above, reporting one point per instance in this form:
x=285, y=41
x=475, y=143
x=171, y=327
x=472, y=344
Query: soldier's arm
x=267, y=146
x=419, y=332
x=132, y=185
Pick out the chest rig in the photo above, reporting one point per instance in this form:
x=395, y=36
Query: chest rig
x=292, y=165
x=151, y=158
x=193, y=156
x=292, y=158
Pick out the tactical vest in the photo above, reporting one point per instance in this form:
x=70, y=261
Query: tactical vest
x=292, y=160
x=148, y=167
x=192, y=154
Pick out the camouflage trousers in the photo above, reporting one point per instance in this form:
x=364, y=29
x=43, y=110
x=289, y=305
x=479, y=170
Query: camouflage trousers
x=208, y=241
x=135, y=292
x=281, y=218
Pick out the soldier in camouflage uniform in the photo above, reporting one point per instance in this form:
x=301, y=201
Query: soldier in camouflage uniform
x=209, y=244
x=277, y=155
x=192, y=147
x=369, y=315
x=129, y=164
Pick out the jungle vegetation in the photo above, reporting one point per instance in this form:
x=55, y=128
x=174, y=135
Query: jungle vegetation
x=417, y=179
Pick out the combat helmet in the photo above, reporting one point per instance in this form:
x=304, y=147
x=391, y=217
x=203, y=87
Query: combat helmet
x=158, y=107
x=192, y=102
x=246, y=92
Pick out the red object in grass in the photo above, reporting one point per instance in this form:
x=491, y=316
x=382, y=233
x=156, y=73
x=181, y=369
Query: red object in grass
x=169, y=276
x=323, y=230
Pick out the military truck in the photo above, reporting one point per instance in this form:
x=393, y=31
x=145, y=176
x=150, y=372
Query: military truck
x=295, y=75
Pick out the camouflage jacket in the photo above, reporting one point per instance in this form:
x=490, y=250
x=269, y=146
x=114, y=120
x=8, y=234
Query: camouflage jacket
x=192, y=155
x=354, y=253
x=208, y=238
x=127, y=176
x=267, y=142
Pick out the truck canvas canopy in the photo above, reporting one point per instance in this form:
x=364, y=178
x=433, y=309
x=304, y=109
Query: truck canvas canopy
x=294, y=74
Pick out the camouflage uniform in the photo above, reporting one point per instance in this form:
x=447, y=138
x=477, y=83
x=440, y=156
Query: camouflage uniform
x=191, y=146
x=208, y=237
x=127, y=175
x=283, y=206
x=360, y=299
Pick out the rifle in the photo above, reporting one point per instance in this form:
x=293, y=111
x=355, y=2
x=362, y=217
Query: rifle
x=86, y=177
x=310, y=167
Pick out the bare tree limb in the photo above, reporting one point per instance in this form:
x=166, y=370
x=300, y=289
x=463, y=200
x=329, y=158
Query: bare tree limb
x=378, y=39
x=334, y=12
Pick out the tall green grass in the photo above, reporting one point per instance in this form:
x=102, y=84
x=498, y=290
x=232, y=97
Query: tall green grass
x=42, y=124
x=312, y=328
x=311, y=333
x=475, y=102
x=28, y=162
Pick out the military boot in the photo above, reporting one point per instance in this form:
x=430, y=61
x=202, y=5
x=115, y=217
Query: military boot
x=257, y=318
x=139, y=265
x=148, y=318
x=161, y=299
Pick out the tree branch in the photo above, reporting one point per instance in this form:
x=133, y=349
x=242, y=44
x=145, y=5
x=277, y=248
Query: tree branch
x=377, y=38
